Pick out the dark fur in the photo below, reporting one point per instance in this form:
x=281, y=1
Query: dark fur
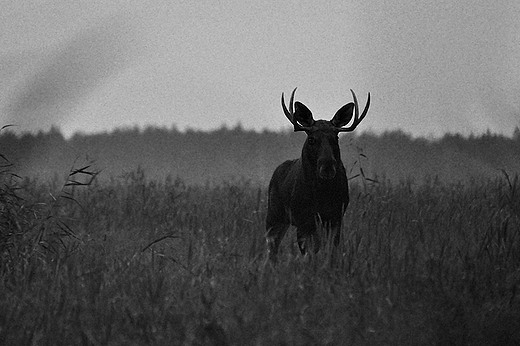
x=302, y=192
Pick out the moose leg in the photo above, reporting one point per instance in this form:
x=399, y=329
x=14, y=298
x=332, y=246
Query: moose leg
x=308, y=237
x=274, y=237
x=332, y=224
x=277, y=223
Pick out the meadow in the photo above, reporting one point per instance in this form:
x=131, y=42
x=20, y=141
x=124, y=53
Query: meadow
x=139, y=261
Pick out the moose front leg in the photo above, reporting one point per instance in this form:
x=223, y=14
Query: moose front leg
x=274, y=237
x=331, y=223
x=331, y=232
x=308, y=237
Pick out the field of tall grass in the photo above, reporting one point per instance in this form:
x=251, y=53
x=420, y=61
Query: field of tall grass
x=133, y=261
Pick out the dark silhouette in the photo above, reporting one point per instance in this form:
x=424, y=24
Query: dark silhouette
x=314, y=188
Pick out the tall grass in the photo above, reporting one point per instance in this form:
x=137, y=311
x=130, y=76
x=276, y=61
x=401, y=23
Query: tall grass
x=162, y=262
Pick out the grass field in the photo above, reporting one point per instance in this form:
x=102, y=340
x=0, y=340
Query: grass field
x=138, y=262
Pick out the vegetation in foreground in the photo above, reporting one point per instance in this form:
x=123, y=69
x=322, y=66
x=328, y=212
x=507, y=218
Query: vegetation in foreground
x=138, y=262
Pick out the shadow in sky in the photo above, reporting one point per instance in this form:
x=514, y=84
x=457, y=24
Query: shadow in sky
x=64, y=77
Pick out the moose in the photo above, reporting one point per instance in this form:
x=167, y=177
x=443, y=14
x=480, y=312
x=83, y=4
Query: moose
x=312, y=189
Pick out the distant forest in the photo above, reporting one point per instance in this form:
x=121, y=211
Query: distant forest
x=202, y=157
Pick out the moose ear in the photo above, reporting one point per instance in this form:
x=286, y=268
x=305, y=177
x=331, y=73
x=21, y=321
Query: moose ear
x=302, y=114
x=343, y=115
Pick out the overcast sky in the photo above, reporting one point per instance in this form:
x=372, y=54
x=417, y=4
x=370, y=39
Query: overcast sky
x=430, y=66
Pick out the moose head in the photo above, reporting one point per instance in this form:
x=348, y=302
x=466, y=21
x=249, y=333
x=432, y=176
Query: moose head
x=321, y=149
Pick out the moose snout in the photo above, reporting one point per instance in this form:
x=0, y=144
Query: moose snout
x=327, y=168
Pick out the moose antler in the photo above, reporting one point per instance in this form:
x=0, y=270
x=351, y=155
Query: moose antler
x=290, y=114
x=357, y=118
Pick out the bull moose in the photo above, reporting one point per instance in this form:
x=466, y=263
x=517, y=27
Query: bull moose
x=312, y=189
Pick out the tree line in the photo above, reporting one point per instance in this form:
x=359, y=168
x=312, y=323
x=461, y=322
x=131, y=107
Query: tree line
x=236, y=153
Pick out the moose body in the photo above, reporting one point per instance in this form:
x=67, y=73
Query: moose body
x=313, y=189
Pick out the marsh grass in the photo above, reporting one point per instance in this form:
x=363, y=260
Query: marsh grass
x=165, y=263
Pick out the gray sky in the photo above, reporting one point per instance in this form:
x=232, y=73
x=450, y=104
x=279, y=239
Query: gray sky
x=431, y=66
